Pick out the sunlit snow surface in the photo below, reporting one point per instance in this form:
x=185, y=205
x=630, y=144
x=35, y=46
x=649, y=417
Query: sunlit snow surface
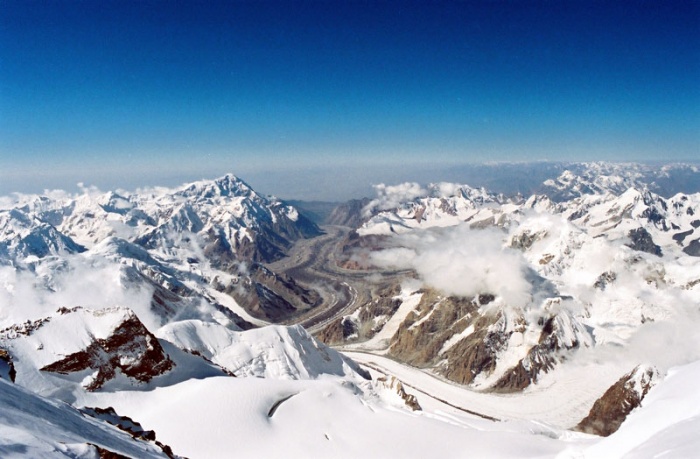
x=323, y=418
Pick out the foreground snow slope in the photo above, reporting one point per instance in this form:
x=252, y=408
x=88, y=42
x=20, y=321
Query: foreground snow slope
x=36, y=427
x=320, y=418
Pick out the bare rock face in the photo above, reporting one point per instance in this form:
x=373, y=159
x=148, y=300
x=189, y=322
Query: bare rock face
x=127, y=425
x=605, y=279
x=561, y=332
x=339, y=331
x=526, y=239
x=271, y=296
x=610, y=410
x=7, y=367
x=421, y=338
x=693, y=248
x=129, y=348
x=641, y=240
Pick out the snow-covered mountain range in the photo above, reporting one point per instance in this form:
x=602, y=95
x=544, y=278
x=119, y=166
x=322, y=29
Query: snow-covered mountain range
x=513, y=290
x=197, y=244
x=573, y=308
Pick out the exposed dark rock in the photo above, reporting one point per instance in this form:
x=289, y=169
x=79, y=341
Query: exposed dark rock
x=271, y=296
x=482, y=224
x=558, y=333
x=610, y=410
x=641, y=240
x=338, y=331
x=131, y=348
x=369, y=321
x=693, y=248
x=103, y=453
x=124, y=423
x=608, y=277
x=475, y=354
x=679, y=237
x=129, y=426
x=7, y=367
x=421, y=337
x=653, y=214
x=524, y=240
x=578, y=214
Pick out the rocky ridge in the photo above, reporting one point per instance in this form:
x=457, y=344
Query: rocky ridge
x=610, y=410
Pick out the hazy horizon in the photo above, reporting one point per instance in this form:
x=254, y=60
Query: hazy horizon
x=126, y=94
x=328, y=184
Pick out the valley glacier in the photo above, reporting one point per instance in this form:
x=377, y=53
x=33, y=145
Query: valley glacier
x=450, y=321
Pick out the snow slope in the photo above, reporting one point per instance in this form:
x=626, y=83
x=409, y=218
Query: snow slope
x=37, y=427
x=322, y=418
x=274, y=352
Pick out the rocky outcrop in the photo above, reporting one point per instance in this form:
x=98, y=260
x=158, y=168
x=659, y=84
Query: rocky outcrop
x=123, y=423
x=7, y=367
x=693, y=248
x=128, y=425
x=605, y=279
x=367, y=321
x=392, y=384
x=478, y=353
x=641, y=240
x=561, y=332
x=422, y=339
x=610, y=410
x=524, y=240
x=339, y=331
x=129, y=348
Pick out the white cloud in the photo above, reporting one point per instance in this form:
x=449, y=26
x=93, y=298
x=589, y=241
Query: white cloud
x=392, y=196
x=460, y=261
x=75, y=281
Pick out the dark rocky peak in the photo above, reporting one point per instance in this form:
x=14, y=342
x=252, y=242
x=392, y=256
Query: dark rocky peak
x=124, y=345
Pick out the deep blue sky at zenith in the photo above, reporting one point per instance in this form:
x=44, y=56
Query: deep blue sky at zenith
x=125, y=92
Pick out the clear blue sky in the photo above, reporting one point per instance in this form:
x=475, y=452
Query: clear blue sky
x=127, y=92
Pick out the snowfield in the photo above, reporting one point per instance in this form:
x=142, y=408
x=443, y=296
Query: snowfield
x=323, y=418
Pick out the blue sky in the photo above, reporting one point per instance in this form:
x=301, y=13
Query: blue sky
x=122, y=93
